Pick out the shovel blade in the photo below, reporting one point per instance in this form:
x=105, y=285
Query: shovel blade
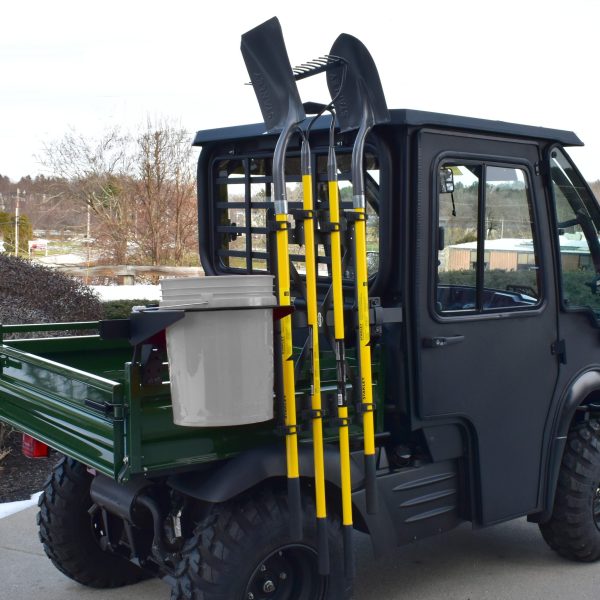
x=266, y=58
x=361, y=95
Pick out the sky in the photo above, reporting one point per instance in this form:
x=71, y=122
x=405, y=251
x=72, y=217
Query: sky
x=92, y=65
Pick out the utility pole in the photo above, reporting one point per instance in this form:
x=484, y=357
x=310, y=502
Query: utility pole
x=17, y=225
x=88, y=242
x=89, y=223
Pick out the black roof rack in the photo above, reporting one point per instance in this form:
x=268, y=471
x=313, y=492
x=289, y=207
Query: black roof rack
x=413, y=118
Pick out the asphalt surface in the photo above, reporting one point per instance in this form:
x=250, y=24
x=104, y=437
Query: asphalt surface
x=506, y=562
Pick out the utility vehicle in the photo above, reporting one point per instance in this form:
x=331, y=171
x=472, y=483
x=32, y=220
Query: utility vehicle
x=435, y=356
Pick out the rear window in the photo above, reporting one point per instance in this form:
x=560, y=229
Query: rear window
x=242, y=209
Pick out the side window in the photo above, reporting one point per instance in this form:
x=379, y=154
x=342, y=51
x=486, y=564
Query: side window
x=487, y=257
x=457, y=239
x=577, y=217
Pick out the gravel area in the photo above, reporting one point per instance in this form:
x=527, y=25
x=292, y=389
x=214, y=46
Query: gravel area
x=20, y=477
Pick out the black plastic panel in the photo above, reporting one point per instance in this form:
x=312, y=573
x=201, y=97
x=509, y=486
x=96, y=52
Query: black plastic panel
x=422, y=501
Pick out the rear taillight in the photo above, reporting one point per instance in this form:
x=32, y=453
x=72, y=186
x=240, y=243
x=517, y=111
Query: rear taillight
x=34, y=449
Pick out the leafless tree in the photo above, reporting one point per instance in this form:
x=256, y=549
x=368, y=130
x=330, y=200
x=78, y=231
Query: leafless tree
x=165, y=194
x=95, y=172
x=139, y=191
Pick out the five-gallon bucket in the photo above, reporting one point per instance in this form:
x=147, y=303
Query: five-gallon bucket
x=221, y=353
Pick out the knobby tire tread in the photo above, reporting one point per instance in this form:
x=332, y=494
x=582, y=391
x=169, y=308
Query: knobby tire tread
x=572, y=530
x=66, y=533
x=211, y=558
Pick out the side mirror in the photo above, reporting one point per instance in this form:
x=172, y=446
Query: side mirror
x=446, y=181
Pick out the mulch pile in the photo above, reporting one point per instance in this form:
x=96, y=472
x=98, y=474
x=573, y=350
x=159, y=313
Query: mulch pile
x=21, y=476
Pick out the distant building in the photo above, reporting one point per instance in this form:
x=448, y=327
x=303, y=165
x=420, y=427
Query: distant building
x=513, y=254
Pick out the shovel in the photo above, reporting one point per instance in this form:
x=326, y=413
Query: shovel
x=360, y=105
x=266, y=58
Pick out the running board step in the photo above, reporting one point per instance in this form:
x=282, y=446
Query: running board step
x=422, y=501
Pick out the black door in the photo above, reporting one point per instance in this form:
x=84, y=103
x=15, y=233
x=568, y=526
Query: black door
x=486, y=311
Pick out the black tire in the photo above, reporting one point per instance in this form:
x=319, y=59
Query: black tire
x=66, y=531
x=224, y=558
x=574, y=529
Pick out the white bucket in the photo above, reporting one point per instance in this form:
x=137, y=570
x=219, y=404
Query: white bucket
x=221, y=360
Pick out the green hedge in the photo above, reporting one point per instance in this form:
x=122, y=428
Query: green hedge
x=577, y=289
x=34, y=293
x=576, y=284
x=497, y=279
x=121, y=309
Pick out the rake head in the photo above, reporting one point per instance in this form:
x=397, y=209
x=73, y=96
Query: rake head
x=316, y=66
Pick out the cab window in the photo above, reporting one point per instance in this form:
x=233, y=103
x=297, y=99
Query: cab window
x=243, y=208
x=487, y=255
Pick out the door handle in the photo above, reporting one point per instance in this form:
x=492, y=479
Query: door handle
x=442, y=342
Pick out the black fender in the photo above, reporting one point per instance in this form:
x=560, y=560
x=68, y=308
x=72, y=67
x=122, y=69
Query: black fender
x=252, y=467
x=577, y=392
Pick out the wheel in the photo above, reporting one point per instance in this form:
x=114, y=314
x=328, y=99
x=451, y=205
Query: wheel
x=242, y=551
x=70, y=535
x=574, y=529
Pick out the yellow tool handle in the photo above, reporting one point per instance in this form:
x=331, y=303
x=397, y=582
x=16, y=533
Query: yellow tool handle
x=336, y=261
x=345, y=465
x=364, y=339
x=289, y=388
x=362, y=295
x=346, y=482
x=339, y=334
x=312, y=318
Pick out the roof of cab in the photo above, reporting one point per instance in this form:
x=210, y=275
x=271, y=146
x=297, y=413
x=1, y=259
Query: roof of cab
x=412, y=118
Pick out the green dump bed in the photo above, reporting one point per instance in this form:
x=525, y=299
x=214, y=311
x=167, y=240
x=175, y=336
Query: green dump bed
x=84, y=396
x=45, y=391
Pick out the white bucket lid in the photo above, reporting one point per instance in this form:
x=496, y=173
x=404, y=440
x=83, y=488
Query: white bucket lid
x=223, y=291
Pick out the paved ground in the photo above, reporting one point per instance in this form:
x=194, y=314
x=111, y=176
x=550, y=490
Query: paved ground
x=507, y=562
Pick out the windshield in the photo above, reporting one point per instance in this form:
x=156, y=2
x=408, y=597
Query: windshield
x=578, y=224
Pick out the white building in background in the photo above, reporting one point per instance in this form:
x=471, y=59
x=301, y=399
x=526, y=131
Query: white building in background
x=514, y=254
